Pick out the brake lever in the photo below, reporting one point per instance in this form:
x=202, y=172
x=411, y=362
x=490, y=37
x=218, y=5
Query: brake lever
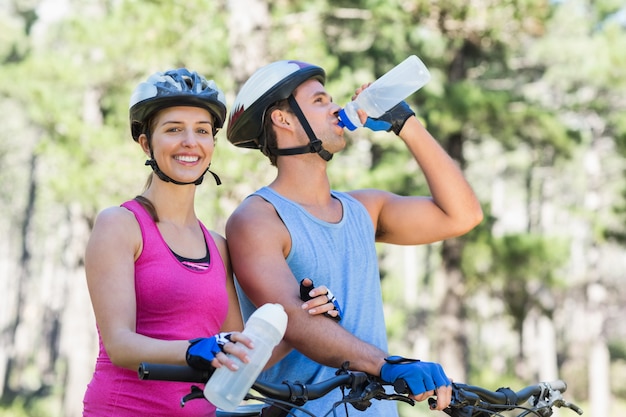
x=360, y=396
x=399, y=397
x=571, y=406
x=196, y=393
x=462, y=403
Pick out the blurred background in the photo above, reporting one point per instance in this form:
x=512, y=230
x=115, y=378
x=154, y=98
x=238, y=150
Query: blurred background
x=528, y=96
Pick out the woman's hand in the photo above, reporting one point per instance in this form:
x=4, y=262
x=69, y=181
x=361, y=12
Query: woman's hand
x=234, y=347
x=210, y=352
x=319, y=300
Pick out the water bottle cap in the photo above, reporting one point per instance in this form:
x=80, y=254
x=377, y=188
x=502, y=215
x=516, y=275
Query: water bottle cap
x=273, y=314
x=344, y=120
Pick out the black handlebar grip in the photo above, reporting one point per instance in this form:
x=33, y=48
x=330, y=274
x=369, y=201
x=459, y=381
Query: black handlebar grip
x=401, y=387
x=181, y=373
x=432, y=403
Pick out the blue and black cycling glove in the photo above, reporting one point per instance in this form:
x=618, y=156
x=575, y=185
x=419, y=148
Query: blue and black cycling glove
x=419, y=376
x=202, y=350
x=304, y=296
x=392, y=120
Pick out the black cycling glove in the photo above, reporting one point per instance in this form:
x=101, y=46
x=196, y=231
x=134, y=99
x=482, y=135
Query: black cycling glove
x=304, y=296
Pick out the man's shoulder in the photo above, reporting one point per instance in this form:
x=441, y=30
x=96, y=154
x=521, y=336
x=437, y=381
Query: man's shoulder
x=253, y=221
x=251, y=205
x=253, y=210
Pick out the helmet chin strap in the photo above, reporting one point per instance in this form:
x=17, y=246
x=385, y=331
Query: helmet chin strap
x=314, y=146
x=152, y=163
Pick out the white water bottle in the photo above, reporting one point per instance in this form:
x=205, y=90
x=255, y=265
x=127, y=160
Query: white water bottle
x=265, y=327
x=390, y=89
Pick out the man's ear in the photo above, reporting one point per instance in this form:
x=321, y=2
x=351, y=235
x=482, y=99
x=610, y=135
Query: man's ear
x=280, y=118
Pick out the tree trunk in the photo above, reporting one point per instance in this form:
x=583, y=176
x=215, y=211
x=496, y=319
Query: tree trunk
x=248, y=28
x=452, y=343
x=599, y=378
x=599, y=362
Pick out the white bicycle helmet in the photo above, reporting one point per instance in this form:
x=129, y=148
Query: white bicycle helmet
x=268, y=85
x=177, y=87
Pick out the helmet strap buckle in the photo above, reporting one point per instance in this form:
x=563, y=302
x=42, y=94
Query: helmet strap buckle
x=315, y=145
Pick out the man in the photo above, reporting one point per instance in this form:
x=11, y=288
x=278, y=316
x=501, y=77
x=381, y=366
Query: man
x=298, y=227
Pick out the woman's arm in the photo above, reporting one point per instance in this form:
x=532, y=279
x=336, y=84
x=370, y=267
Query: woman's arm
x=113, y=246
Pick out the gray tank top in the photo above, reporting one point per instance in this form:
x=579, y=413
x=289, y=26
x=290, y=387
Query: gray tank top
x=343, y=257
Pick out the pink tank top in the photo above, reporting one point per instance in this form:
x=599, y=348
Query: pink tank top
x=173, y=303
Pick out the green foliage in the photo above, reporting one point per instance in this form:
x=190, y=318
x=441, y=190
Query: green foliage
x=520, y=269
x=584, y=67
x=618, y=373
x=13, y=40
x=80, y=57
x=15, y=410
x=32, y=405
x=617, y=349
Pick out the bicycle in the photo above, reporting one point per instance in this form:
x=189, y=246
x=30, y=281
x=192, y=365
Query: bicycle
x=281, y=400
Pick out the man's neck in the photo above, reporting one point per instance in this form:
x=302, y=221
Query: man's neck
x=306, y=184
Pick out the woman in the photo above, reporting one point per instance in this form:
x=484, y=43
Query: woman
x=160, y=282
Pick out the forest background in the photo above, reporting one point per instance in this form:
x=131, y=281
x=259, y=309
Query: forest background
x=529, y=96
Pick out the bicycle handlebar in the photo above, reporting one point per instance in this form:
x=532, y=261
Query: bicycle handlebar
x=503, y=397
x=545, y=395
x=467, y=400
x=286, y=391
